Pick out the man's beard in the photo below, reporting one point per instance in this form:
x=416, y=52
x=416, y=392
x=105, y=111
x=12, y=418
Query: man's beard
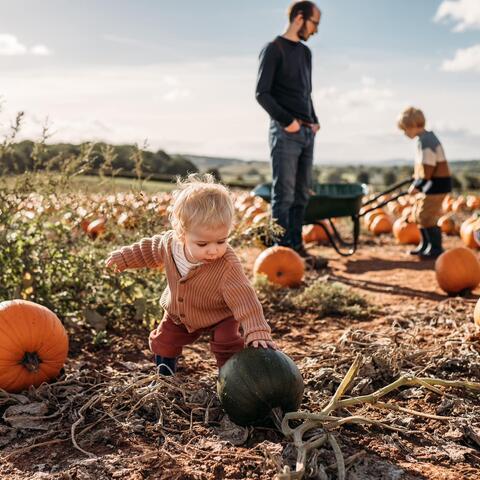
x=302, y=33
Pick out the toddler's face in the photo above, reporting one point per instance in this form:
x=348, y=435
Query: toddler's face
x=412, y=132
x=206, y=244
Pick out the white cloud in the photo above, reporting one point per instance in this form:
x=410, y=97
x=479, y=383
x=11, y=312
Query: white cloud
x=465, y=13
x=467, y=59
x=132, y=42
x=176, y=94
x=9, y=45
x=40, y=50
x=367, y=95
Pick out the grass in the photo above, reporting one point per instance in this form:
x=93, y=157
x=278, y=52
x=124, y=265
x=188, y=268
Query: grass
x=333, y=299
x=95, y=184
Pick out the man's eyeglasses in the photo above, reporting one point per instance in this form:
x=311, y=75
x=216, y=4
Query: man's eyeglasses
x=315, y=22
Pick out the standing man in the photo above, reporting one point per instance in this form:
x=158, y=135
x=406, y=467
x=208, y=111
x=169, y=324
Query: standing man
x=284, y=89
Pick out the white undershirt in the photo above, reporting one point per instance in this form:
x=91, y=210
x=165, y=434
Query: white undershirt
x=180, y=259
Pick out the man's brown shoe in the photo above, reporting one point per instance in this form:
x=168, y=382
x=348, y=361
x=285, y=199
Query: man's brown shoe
x=312, y=261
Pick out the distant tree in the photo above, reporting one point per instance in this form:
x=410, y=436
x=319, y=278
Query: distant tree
x=363, y=177
x=334, y=176
x=252, y=171
x=216, y=173
x=472, y=182
x=389, y=178
x=456, y=183
x=316, y=174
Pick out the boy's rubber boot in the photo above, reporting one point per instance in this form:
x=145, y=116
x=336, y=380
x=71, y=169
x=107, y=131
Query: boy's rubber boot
x=166, y=365
x=424, y=243
x=435, y=243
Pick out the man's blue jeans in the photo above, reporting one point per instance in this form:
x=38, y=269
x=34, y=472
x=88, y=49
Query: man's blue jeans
x=292, y=161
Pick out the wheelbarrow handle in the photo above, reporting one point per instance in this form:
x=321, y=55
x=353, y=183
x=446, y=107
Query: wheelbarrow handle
x=389, y=190
x=398, y=195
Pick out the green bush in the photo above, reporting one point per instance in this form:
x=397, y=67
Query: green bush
x=50, y=261
x=333, y=299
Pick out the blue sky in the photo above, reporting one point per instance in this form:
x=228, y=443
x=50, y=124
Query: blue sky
x=184, y=78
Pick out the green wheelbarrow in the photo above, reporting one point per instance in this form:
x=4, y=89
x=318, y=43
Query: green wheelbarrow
x=333, y=200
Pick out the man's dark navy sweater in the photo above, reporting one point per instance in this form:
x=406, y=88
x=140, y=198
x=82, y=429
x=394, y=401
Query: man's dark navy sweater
x=284, y=83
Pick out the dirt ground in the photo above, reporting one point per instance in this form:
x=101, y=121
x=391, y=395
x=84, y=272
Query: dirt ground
x=415, y=328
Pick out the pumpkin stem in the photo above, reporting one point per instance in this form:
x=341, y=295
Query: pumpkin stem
x=31, y=361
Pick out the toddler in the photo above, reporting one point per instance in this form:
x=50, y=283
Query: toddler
x=207, y=289
x=432, y=182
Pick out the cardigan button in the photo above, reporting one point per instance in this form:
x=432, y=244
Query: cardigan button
x=180, y=299
x=182, y=315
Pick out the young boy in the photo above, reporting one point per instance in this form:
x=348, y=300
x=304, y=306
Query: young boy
x=432, y=181
x=207, y=288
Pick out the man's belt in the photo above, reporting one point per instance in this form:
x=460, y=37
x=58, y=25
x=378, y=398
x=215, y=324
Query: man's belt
x=306, y=124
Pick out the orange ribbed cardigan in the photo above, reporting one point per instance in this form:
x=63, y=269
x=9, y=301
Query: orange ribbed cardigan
x=208, y=294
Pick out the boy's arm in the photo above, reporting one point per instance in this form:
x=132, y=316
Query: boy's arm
x=242, y=300
x=426, y=170
x=147, y=253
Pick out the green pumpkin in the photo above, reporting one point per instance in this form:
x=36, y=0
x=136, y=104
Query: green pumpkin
x=257, y=380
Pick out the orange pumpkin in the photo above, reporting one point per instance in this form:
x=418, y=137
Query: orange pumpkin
x=370, y=216
x=96, y=228
x=314, y=233
x=281, y=265
x=125, y=220
x=459, y=204
x=457, y=269
x=406, y=233
x=33, y=345
x=447, y=204
x=259, y=218
x=381, y=224
x=447, y=224
x=466, y=232
x=476, y=313
x=476, y=233
x=473, y=202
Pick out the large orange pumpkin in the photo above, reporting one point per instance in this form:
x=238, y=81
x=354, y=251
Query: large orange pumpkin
x=457, y=269
x=281, y=265
x=406, y=232
x=33, y=345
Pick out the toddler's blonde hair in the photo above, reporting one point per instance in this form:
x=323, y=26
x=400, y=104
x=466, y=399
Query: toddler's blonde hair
x=200, y=201
x=411, y=117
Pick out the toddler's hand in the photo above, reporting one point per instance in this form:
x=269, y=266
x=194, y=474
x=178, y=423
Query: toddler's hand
x=111, y=264
x=264, y=344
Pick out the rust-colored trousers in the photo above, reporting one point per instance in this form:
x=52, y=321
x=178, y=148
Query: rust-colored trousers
x=169, y=338
x=428, y=209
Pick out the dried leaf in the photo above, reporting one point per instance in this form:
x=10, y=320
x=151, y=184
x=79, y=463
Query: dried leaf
x=30, y=416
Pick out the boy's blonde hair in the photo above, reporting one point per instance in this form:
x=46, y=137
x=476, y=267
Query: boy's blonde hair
x=411, y=117
x=200, y=201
